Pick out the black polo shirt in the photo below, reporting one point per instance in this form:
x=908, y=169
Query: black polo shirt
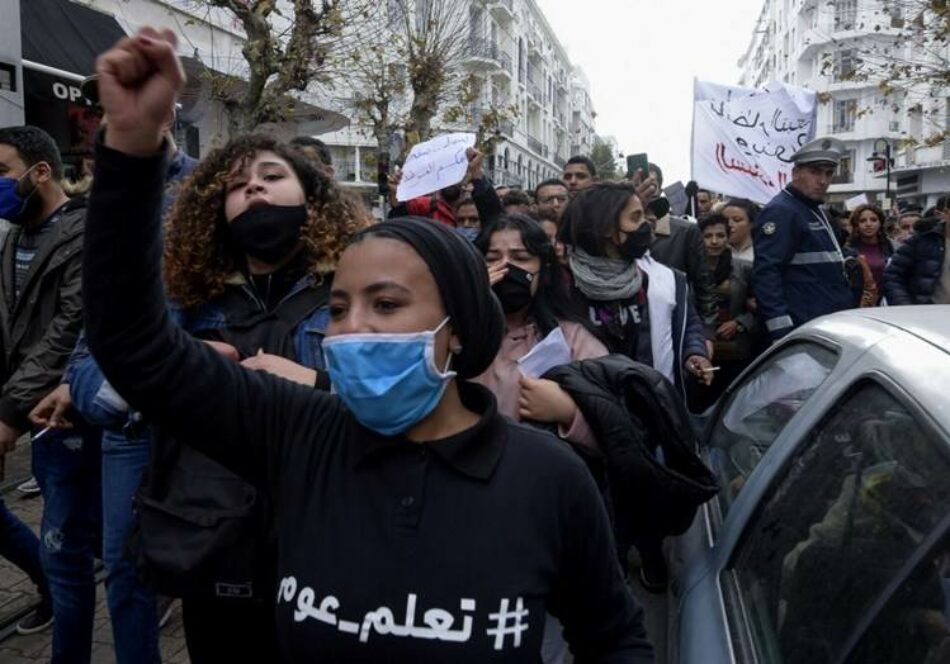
x=389, y=550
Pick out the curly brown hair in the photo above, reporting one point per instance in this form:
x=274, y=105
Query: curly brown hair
x=199, y=254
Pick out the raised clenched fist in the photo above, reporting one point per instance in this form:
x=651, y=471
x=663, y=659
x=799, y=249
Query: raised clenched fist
x=139, y=81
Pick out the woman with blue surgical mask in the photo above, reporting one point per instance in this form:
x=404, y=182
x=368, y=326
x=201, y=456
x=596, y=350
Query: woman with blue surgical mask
x=414, y=523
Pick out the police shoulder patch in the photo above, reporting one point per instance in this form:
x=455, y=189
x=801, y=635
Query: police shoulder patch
x=768, y=228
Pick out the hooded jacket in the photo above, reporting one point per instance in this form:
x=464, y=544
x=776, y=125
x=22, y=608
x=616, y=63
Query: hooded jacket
x=639, y=419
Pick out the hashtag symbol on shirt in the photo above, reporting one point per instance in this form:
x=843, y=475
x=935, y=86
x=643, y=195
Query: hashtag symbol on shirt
x=508, y=623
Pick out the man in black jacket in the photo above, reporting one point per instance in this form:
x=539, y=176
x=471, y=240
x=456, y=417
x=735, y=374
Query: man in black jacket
x=919, y=272
x=678, y=244
x=40, y=320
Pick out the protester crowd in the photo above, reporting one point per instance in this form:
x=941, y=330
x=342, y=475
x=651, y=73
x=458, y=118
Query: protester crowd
x=428, y=437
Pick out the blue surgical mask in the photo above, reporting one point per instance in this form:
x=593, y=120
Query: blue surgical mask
x=390, y=382
x=469, y=234
x=12, y=204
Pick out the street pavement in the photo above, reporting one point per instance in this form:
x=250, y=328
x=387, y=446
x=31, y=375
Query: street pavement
x=17, y=593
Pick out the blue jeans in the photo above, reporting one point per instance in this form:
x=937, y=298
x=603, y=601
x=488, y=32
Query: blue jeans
x=131, y=605
x=67, y=465
x=21, y=547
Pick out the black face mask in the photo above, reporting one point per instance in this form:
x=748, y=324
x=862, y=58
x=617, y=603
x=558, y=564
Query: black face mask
x=269, y=232
x=514, y=291
x=637, y=242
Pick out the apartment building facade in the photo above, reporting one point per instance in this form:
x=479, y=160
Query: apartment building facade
x=816, y=45
x=517, y=61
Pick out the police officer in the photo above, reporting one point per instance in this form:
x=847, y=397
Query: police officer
x=799, y=267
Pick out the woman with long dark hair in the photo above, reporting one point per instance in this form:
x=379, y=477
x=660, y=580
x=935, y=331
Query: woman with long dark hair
x=529, y=283
x=868, y=238
x=735, y=324
x=414, y=523
x=641, y=308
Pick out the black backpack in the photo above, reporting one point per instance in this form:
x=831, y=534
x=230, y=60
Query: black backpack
x=203, y=530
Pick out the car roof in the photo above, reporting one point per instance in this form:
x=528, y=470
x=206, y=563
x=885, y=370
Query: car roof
x=930, y=323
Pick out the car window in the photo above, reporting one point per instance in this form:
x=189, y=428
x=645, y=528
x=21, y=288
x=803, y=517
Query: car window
x=759, y=409
x=914, y=626
x=865, y=489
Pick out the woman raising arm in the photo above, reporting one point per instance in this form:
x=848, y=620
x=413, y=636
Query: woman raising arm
x=428, y=531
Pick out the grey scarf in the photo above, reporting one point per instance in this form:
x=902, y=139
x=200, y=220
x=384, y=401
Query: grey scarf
x=604, y=279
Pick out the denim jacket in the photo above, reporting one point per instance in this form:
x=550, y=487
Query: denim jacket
x=95, y=399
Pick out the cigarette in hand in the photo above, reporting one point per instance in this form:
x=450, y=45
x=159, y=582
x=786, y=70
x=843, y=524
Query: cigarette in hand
x=710, y=369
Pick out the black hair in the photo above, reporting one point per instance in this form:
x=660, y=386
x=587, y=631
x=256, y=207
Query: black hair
x=584, y=161
x=34, y=145
x=943, y=203
x=927, y=223
x=458, y=269
x=651, y=167
x=751, y=209
x=552, y=303
x=593, y=216
x=464, y=200
x=516, y=197
x=553, y=182
x=712, y=219
x=310, y=142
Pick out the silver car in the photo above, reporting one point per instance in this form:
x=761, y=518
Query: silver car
x=829, y=540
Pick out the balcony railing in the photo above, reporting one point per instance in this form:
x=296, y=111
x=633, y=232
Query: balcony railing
x=507, y=128
x=482, y=48
x=534, y=91
x=535, y=144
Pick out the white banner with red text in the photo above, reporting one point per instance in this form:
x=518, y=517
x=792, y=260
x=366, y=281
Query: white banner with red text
x=744, y=138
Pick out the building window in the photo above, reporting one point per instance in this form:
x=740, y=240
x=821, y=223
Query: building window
x=845, y=172
x=7, y=77
x=845, y=112
x=845, y=62
x=846, y=14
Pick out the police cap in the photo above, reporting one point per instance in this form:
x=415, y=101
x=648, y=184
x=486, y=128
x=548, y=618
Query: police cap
x=821, y=150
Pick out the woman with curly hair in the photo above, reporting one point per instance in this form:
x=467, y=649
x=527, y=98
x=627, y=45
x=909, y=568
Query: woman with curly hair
x=250, y=248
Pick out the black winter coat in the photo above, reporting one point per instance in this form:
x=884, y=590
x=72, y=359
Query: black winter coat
x=639, y=418
x=912, y=273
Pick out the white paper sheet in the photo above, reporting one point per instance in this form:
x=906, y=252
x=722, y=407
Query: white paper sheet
x=552, y=351
x=434, y=164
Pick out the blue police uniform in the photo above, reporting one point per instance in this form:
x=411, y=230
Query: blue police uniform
x=799, y=267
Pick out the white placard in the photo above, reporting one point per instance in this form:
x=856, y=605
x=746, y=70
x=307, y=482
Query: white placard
x=550, y=352
x=744, y=139
x=435, y=164
x=853, y=202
